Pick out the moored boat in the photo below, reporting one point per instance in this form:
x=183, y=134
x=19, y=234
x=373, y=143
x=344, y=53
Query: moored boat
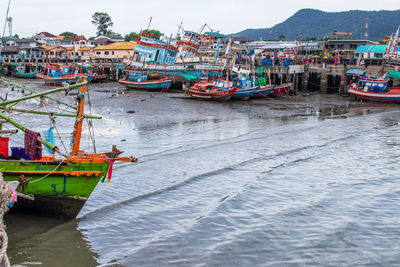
x=218, y=90
x=20, y=72
x=27, y=75
x=376, y=88
x=281, y=89
x=55, y=75
x=245, y=89
x=60, y=186
x=263, y=91
x=136, y=78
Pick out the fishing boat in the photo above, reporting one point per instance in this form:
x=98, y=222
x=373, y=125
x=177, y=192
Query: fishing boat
x=376, y=88
x=137, y=78
x=61, y=183
x=20, y=72
x=218, y=90
x=245, y=89
x=263, y=91
x=281, y=89
x=98, y=74
x=55, y=75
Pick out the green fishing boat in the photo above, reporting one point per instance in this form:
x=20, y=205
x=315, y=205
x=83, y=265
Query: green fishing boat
x=60, y=186
x=28, y=75
x=19, y=72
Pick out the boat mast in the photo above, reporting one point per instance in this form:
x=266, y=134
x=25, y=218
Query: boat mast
x=77, y=134
x=4, y=29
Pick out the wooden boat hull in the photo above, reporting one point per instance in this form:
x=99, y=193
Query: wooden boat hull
x=245, y=93
x=29, y=75
x=392, y=96
x=281, y=89
x=99, y=78
x=58, y=80
x=215, y=95
x=162, y=84
x=263, y=92
x=68, y=183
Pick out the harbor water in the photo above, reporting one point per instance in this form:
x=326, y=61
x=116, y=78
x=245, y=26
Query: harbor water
x=293, y=181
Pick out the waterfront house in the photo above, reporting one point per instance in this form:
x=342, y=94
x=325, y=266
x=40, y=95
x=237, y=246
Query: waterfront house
x=104, y=40
x=80, y=40
x=54, y=52
x=60, y=40
x=211, y=37
x=45, y=38
x=20, y=49
x=114, y=52
x=86, y=53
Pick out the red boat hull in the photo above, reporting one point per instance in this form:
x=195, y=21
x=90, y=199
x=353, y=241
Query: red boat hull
x=215, y=94
x=392, y=96
x=281, y=89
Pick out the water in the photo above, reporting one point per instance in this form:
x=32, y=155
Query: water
x=277, y=182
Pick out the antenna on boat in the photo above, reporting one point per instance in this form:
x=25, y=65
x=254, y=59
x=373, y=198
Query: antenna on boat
x=179, y=28
x=148, y=27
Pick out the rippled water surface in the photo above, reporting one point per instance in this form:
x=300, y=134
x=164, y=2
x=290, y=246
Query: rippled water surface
x=307, y=180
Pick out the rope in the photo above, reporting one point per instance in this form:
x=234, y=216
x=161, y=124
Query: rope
x=90, y=125
x=48, y=173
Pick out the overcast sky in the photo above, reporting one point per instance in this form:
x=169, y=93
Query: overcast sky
x=226, y=16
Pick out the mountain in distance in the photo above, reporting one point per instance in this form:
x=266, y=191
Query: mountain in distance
x=314, y=23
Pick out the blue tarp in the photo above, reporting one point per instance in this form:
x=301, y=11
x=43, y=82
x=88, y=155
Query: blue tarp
x=356, y=72
x=119, y=67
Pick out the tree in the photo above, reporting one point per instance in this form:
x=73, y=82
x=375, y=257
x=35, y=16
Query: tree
x=113, y=35
x=68, y=35
x=282, y=37
x=133, y=36
x=155, y=33
x=16, y=36
x=102, y=21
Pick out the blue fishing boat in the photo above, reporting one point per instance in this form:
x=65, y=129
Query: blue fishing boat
x=376, y=88
x=139, y=79
x=58, y=74
x=263, y=91
x=245, y=89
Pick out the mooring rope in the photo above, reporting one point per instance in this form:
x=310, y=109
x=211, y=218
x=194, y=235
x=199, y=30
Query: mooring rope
x=61, y=162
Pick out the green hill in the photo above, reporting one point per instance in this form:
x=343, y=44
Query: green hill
x=319, y=24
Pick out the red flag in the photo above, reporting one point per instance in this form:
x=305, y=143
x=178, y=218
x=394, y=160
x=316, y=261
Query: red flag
x=307, y=62
x=336, y=56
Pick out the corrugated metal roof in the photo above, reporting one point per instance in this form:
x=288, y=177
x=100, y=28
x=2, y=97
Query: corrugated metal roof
x=117, y=46
x=51, y=47
x=363, y=49
x=379, y=49
x=86, y=48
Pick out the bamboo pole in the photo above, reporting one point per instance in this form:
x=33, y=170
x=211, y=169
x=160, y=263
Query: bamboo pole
x=51, y=113
x=42, y=94
x=35, y=92
x=51, y=146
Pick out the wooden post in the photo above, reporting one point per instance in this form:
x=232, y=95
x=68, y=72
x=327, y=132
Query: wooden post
x=324, y=82
x=304, y=82
x=343, y=81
